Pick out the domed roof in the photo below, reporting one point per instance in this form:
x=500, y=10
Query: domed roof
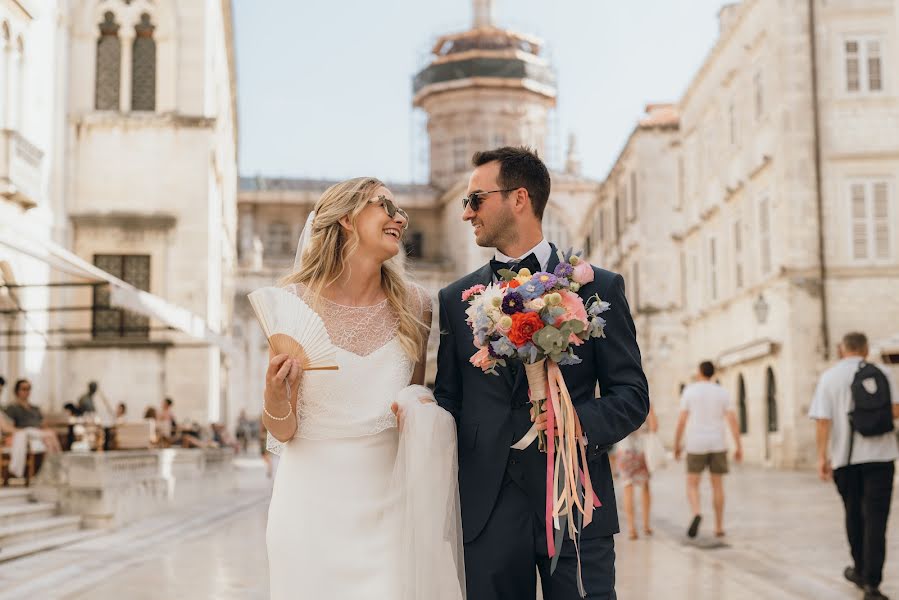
x=487, y=56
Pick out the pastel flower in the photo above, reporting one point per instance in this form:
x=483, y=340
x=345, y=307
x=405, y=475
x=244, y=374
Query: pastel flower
x=563, y=270
x=482, y=359
x=504, y=324
x=583, y=273
x=532, y=289
x=536, y=305
x=574, y=310
x=503, y=347
x=513, y=303
x=475, y=289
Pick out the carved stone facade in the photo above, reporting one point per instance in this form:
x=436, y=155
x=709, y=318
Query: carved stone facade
x=130, y=107
x=739, y=252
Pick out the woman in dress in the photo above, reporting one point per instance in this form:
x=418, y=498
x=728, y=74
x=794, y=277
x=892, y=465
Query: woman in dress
x=634, y=472
x=344, y=494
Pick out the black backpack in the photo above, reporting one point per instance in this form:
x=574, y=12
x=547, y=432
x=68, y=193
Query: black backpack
x=872, y=413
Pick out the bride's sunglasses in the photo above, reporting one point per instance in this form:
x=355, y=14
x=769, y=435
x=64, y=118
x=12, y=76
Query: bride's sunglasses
x=392, y=209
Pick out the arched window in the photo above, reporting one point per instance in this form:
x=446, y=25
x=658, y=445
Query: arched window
x=278, y=242
x=108, y=77
x=741, y=404
x=143, y=66
x=771, y=393
x=555, y=231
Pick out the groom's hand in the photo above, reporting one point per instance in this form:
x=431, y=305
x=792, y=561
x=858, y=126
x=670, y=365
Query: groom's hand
x=541, y=423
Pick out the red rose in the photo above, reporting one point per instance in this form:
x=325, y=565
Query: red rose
x=524, y=326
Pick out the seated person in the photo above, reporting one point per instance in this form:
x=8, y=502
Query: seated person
x=25, y=415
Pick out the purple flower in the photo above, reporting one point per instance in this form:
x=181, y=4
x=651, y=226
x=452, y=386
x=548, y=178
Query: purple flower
x=513, y=303
x=563, y=270
x=548, y=280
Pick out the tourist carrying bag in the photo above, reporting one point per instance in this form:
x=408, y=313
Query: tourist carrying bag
x=872, y=404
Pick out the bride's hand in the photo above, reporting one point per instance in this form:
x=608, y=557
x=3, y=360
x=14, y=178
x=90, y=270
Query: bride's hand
x=280, y=369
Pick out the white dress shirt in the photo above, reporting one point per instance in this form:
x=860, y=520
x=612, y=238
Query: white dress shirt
x=542, y=251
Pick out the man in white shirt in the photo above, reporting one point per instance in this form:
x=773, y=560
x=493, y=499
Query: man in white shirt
x=705, y=409
x=864, y=479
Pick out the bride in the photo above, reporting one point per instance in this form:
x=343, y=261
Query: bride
x=361, y=507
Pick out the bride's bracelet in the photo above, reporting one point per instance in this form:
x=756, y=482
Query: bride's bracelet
x=273, y=417
x=289, y=408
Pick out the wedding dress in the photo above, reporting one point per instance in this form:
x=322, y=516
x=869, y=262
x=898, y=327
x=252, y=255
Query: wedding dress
x=358, y=509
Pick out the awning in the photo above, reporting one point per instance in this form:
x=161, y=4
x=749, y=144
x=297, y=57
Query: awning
x=121, y=294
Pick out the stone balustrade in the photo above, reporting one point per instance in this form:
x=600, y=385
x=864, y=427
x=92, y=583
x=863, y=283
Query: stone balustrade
x=110, y=489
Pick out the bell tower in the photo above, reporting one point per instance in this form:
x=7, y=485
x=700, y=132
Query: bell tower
x=483, y=88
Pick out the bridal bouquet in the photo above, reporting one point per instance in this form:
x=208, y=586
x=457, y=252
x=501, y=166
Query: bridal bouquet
x=534, y=317
x=539, y=320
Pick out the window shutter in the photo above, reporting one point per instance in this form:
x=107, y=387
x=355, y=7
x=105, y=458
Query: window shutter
x=765, y=235
x=881, y=221
x=859, y=221
x=852, y=66
x=875, y=81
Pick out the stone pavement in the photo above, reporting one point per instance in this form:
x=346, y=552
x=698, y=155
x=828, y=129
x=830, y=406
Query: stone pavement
x=785, y=542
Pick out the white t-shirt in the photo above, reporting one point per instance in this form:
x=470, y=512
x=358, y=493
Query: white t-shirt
x=707, y=403
x=833, y=400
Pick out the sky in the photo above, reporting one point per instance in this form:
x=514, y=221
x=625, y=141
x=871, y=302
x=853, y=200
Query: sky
x=325, y=86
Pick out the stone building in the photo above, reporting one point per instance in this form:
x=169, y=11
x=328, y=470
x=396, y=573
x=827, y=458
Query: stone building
x=769, y=216
x=482, y=88
x=121, y=117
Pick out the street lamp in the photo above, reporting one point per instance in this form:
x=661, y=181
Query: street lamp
x=760, y=307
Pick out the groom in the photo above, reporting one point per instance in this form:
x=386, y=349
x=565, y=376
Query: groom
x=503, y=490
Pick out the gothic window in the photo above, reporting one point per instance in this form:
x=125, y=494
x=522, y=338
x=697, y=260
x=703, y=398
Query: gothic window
x=143, y=66
x=111, y=322
x=109, y=53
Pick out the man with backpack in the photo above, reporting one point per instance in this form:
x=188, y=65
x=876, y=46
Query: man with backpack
x=855, y=404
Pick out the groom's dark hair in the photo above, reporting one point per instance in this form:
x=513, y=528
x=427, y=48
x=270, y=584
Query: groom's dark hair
x=519, y=167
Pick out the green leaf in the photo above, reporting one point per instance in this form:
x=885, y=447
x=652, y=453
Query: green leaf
x=507, y=274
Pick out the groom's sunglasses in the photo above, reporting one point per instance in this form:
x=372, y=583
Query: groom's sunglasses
x=474, y=199
x=392, y=209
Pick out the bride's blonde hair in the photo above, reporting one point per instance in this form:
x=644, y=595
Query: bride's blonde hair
x=325, y=257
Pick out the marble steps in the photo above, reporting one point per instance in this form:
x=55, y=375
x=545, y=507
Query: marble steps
x=41, y=544
x=28, y=527
x=13, y=496
x=13, y=514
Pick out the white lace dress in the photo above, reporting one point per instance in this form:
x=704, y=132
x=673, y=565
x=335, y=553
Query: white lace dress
x=333, y=529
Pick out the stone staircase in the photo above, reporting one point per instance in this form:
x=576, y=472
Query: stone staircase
x=28, y=527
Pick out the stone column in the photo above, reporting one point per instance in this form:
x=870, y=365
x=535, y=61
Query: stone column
x=127, y=38
x=246, y=223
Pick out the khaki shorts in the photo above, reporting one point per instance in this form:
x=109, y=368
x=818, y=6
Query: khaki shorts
x=715, y=461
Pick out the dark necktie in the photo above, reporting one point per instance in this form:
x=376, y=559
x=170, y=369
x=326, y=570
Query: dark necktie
x=529, y=262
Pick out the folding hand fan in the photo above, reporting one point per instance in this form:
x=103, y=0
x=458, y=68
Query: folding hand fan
x=293, y=328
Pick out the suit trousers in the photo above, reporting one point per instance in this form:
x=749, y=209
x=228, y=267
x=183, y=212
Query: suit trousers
x=503, y=561
x=867, y=490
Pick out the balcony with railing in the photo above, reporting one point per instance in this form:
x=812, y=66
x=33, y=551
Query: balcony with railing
x=20, y=169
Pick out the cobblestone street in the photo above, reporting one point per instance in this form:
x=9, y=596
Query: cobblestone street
x=785, y=541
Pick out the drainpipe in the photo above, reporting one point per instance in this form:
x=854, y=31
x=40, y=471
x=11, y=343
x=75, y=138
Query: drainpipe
x=816, y=119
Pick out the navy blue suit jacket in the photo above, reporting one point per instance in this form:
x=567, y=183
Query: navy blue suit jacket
x=491, y=411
